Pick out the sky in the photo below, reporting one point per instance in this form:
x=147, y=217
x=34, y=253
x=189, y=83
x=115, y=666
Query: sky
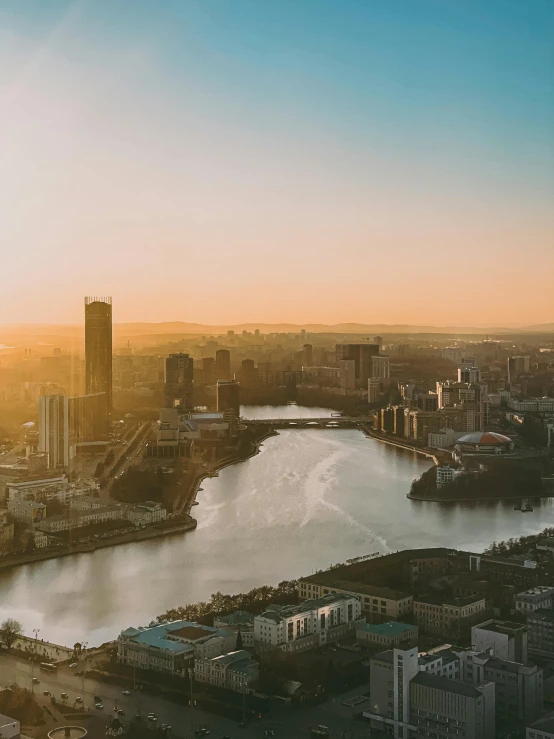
x=224, y=161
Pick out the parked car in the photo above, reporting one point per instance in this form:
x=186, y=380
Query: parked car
x=73, y=664
x=78, y=699
x=99, y=705
x=65, y=696
x=36, y=680
x=126, y=692
x=46, y=692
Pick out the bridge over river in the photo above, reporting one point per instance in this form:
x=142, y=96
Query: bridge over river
x=332, y=422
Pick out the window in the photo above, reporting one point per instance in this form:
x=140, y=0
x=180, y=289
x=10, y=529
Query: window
x=350, y=615
x=322, y=622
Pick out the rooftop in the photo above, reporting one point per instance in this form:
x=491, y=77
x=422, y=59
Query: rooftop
x=391, y=628
x=237, y=618
x=545, y=724
x=377, y=591
x=159, y=636
x=445, y=683
x=501, y=627
x=193, y=632
x=448, y=600
x=541, y=614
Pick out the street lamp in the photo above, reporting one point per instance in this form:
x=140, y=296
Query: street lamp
x=36, y=633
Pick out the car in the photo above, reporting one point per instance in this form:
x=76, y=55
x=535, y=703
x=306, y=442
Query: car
x=78, y=699
x=73, y=664
x=120, y=711
x=65, y=696
x=46, y=692
x=99, y=705
x=151, y=714
x=36, y=680
x=126, y=692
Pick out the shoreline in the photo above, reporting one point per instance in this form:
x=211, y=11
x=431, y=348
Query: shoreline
x=132, y=536
x=400, y=444
x=509, y=498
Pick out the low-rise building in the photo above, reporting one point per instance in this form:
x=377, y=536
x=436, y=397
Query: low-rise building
x=386, y=635
x=172, y=647
x=379, y=603
x=308, y=625
x=540, y=625
x=443, y=616
x=63, y=522
x=27, y=511
x=235, y=671
x=541, y=596
x=505, y=639
x=442, y=662
x=145, y=513
x=239, y=621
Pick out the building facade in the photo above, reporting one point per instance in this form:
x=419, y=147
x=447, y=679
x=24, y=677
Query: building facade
x=98, y=348
x=179, y=381
x=235, y=671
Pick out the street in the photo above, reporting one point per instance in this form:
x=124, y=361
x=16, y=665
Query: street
x=183, y=720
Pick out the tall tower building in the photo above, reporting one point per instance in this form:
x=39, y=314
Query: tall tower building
x=54, y=435
x=179, y=381
x=361, y=354
x=380, y=367
x=98, y=348
x=223, y=364
x=228, y=401
x=308, y=355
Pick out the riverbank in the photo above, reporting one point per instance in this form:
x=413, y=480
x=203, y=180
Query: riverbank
x=507, y=498
x=434, y=455
x=215, y=468
x=132, y=536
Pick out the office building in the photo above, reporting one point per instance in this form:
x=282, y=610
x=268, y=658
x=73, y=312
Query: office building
x=504, y=639
x=517, y=366
x=235, y=671
x=541, y=632
x=447, y=616
x=373, y=390
x=347, y=374
x=390, y=674
x=88, y=418
x=179, y=381
x=541, y=596
x=380, y=367
x=228, y=398
x=223, y=364
x=54, y=431
x=98, y=348
x=469, y=374
x=361, y=354
x=443, y=708
x=309, y=625
x=208, y=370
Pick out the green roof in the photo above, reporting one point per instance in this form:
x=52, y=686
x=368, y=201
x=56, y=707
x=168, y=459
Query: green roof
x=391, y=628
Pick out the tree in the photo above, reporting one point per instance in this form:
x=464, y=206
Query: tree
x=238, y=644
x=10, y=630
x=99, y=469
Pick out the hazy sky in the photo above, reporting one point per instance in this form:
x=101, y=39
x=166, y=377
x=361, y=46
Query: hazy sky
x=278, y=160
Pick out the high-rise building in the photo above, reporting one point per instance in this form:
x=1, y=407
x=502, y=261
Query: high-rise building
x=98, y=348
x=208, y=370
x=307, y=355
x=347, y=374
x=361, y=354
x=179, y=381
x=228, y=400
x=223, y=364
x=380, y=367
x=378, y=340
x=88, y=418
x=54, y=430
x=373, y=390
x=518, y=366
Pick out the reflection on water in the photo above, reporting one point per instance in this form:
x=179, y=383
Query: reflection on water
x=309, y=499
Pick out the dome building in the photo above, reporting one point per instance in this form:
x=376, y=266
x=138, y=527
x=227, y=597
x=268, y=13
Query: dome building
x=484, y=442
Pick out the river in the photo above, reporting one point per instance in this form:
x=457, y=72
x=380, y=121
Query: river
x=310, y=498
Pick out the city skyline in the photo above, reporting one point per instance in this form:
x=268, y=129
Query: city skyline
x=380, y=163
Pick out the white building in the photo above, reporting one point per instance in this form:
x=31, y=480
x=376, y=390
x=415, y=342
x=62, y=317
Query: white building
x=233, y=671
x=541, y=405
x=504, y=639
x=309, y=624
x=445, y=476
x=443, y=438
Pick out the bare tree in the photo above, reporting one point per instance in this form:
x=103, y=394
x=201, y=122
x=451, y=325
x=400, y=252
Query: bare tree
x=10, y=630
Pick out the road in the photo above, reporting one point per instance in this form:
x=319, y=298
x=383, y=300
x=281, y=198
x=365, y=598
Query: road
x=183, y=720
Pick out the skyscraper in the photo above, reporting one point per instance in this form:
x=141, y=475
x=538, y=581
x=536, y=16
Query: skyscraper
x=98, y=348
x=228, y=399
x=179, y=381
x=54, y=430
x=223, y=364
x=518, y=366
x=380, y=367
x=361, y=354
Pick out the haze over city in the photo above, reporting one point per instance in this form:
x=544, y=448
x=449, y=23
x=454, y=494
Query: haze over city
x=228, y=162
x=277, y=369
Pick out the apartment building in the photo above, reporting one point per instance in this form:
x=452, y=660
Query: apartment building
x=63, y=522
x=308, y=625
x=541, y=729
x=27, y=511
x=443, y=616
x=444, y=708
x=235, y=671
x=45, y=489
